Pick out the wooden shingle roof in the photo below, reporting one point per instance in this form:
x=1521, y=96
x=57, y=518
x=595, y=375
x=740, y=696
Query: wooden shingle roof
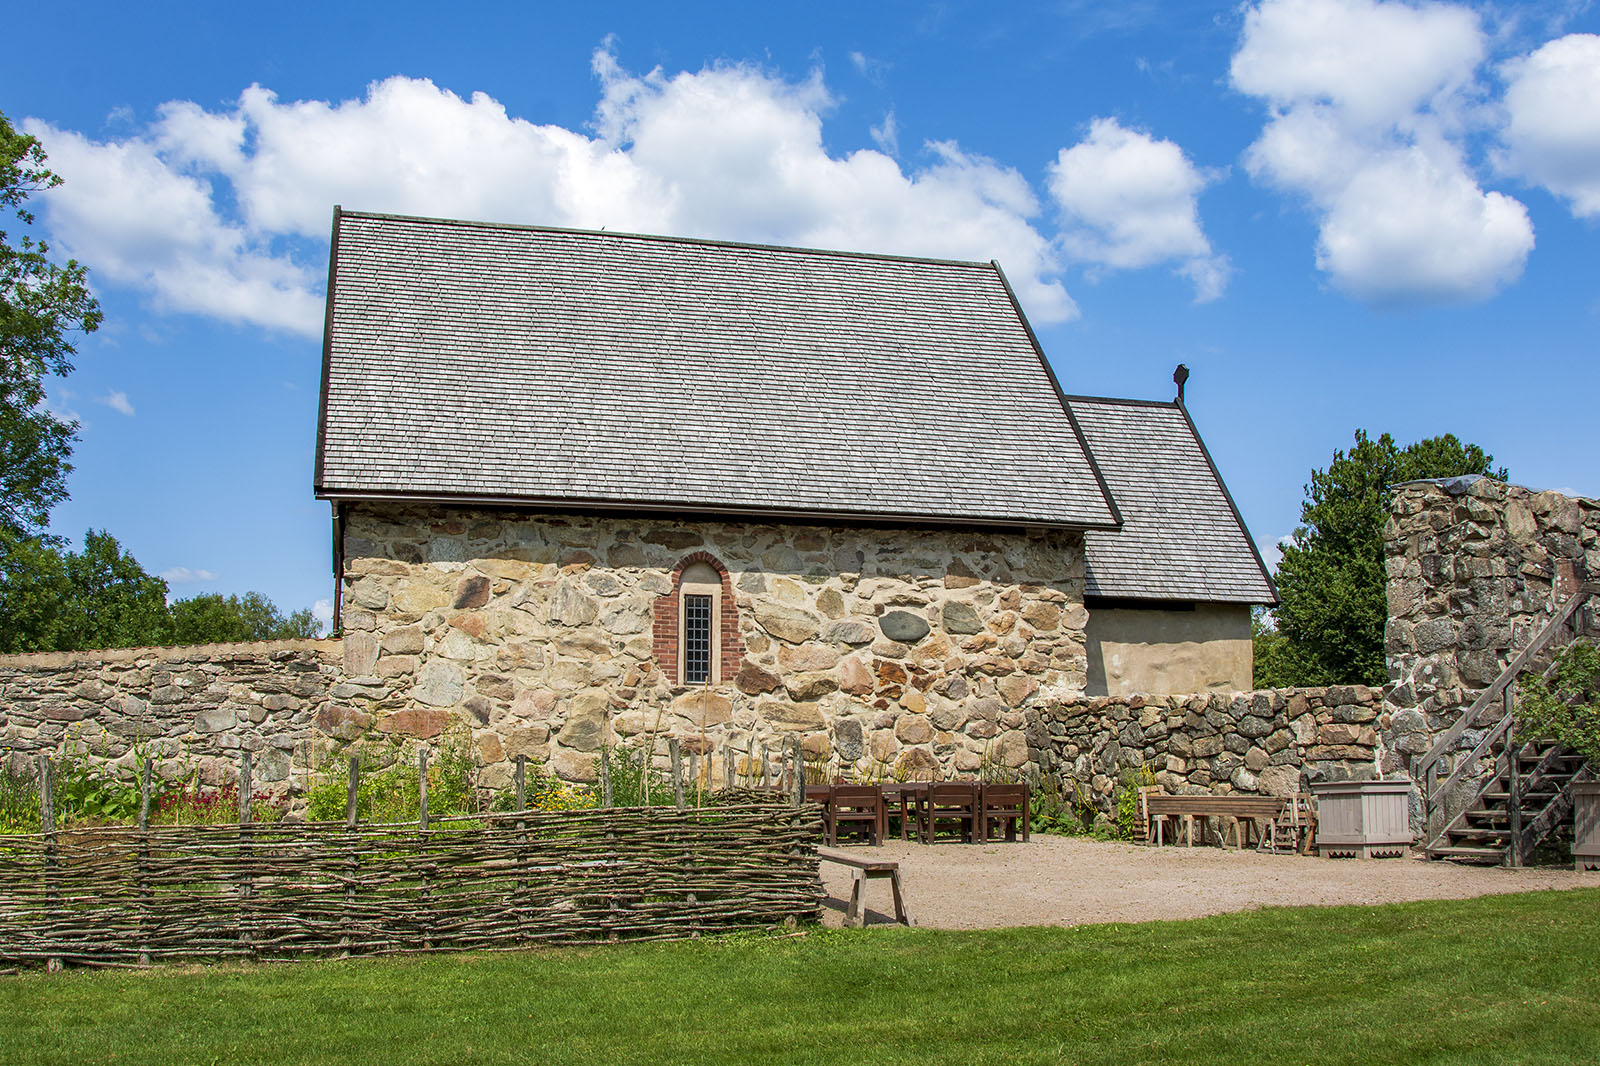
x=496, y=363
x=1182, y=538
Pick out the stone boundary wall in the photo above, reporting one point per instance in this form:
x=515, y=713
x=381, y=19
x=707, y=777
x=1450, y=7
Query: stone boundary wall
x=192, y=708
x=1270, y=742
x=288, y=704
x=1475, y=570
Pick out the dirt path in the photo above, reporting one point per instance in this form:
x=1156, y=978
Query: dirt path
x=1065, y=881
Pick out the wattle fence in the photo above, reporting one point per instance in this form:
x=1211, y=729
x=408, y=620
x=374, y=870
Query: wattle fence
x=119, y=896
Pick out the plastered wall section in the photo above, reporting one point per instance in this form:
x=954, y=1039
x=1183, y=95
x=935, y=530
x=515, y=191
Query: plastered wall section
x=1203, y=649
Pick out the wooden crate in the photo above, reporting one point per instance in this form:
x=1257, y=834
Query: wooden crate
x=1363, y=819
x=1586, y=825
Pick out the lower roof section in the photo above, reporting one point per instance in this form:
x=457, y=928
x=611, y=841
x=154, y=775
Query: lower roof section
x=1182, y=538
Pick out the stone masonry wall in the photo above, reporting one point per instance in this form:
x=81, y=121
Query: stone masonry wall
x=885, y=650
x=1475, y=570
x=192, y=709
x=1272, y=742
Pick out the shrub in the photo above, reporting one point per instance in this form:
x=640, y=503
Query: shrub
x=19, y=801
x=1566, y=707
x=543, y=791
x=387, y=791
x=635, y=783
x=195, y=805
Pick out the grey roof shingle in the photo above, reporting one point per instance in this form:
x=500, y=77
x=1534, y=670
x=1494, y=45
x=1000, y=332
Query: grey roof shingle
x=560, y=366
x=1181, y=537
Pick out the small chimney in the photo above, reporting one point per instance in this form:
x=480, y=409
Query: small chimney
x=1179, y=376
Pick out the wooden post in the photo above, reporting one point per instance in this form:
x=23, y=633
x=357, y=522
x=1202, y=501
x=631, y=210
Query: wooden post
x=47, y=825
x=605, y=776
x=1514, y=834
x=245, y=785
x=799, y=775
x=424, y=893
x=727, y=763
x=246, y=882
x=763, y=764
x=422, y=788
x=520, y=779
x=646, y=760
x=144, y=795
x=694, y=775
x=521, y=782
x=47, y=806
x=144, y=861
x=352, y=789
x=676, y=755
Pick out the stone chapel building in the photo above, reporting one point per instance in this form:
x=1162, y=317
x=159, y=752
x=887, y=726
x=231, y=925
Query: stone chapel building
x=587, y=485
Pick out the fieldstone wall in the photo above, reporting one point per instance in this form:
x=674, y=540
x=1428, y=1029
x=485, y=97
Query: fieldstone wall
x=885, y=650
x=1271, y=742
x=1476, y=568
x=192, y=709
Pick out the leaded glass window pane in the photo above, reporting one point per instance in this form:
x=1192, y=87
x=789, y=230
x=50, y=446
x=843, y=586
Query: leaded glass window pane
x=696, y=639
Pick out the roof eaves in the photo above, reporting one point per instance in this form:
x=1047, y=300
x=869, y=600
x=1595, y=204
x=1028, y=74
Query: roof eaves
x=677, y=507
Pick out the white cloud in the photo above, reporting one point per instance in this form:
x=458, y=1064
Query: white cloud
x=182, y=575
x=886, y=136
x=869, y=68
x=322, y=611
x=1370, y=100
x=1129, y=201
x=1552, y=133
x=1272, y=554
x=118, y=401
x=203, y=208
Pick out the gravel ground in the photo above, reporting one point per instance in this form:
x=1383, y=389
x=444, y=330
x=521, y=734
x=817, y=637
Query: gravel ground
x=1069, y=881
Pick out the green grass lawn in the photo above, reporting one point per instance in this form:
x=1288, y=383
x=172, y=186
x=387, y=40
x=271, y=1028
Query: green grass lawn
x=1508, y=979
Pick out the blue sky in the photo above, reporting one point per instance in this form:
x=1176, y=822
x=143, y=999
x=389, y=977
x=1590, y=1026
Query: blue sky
x=1338, y=213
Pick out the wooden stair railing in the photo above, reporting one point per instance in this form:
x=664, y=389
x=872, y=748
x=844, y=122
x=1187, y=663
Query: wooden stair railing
x=1520, y=785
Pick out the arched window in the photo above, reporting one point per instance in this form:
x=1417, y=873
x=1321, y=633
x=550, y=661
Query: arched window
x=699, y=628
x=695, y=629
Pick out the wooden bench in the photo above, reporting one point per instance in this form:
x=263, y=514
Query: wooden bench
x=1237, y=813
x=868, y=870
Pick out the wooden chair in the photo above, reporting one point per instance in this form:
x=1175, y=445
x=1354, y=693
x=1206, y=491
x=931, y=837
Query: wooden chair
x=1003, y=805
x=1150, y=830
x=951, y=801
x=855, y=805
x=1294, y=829
x=904, y=801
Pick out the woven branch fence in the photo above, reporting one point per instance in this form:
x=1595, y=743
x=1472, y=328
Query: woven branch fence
x=118, y=896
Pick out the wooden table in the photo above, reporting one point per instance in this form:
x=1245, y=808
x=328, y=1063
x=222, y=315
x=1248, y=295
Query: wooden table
x=1238, y=812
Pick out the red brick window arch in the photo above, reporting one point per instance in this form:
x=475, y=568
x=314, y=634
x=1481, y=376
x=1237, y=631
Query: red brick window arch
x=696, y=633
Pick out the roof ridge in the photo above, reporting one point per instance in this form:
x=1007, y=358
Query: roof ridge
x=664, y=238
x=1128, y=401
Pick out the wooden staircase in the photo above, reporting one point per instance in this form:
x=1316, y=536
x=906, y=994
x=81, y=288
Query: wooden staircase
x=1521, y=787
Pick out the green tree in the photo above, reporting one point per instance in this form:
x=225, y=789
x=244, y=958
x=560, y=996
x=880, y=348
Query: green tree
x=213, y=618
x=43, y=305
x=1329, y=625
x=1272, y=668
x=58, y=600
